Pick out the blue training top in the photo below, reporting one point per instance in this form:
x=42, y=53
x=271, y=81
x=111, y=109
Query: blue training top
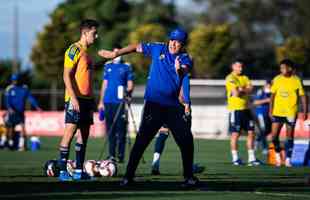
x=117, y=75
x=163, y=85
x=16, y=97
x=262, y=109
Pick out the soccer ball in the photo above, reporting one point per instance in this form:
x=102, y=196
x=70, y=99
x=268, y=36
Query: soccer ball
x=51, y=168
x=107, y=168
x=91, y=168
x=71, y=165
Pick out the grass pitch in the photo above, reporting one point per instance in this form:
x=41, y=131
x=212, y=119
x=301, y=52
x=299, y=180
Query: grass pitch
x=21, y=176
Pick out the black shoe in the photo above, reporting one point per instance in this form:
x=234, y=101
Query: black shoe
x=126, y=182
x=190, y=183
x=155, y=172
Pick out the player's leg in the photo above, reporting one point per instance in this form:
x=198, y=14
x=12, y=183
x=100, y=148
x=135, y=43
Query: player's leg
x=275, y=131
x=10, y=126
x=266, y=132
x=86, y=120
x=121, y=130
x=158, y=149
x=249, y=126
x=261, y=129
x=289, y=142
x=235, y=129
x=150, y=123
x=80, y=152
x=23, y=139
x=72, y=118
x=178, y=123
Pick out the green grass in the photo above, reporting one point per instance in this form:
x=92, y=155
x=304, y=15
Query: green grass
x=21, y=176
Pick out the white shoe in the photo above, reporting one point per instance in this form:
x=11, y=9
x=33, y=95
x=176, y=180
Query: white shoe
x=288, y=162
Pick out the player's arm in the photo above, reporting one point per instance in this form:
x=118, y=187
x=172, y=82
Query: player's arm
x=7, y=101
x=130, y=82
x=271, y=103
x=123, y=51
x=102, y=91
x=304, y=106
x=257, y=101
x=303, y=98
x=68, y=77
x=247, y=90
x=33, y=101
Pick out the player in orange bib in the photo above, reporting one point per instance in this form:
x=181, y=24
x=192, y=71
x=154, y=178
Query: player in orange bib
x=79, y=101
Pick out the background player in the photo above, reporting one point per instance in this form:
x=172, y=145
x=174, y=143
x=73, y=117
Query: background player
x=116, y=85
x=261, y=103
x=79, y=102
x=16, y=95
x=285, y=92
x=170, y=63
x=239, y=87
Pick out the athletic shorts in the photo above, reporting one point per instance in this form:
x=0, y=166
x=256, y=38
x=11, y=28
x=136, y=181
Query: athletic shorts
x=291, y=121
x=85, y=116
x=13, y=119
x=241, y=120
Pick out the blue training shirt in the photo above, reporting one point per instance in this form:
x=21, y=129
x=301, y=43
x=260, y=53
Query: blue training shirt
x=16, y=97
x=262, y=109
x=163, y=85
x=117, y=75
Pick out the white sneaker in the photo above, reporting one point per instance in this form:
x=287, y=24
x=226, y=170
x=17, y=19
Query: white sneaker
x=288, y=162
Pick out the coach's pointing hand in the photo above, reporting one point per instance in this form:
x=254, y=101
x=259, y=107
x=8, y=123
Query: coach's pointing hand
x=107, y=54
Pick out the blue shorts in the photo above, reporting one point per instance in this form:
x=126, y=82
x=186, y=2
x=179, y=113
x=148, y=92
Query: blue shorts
x=85, y=116
x=291, y=121
x=241, y=120
x=13, y=119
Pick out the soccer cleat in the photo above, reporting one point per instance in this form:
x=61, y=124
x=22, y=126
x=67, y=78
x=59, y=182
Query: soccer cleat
x=80, y=175
x=190, y=182
x=126, y=182
x=288, y=162
x=64, y=176
x=255, y=163
x=237, y=162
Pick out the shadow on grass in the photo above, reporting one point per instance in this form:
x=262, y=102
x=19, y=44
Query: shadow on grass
x=31, y=188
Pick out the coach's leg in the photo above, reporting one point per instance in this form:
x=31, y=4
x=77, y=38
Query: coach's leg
x=121, y=129
x=178, y=123
x=110, y=112
x=150, y=123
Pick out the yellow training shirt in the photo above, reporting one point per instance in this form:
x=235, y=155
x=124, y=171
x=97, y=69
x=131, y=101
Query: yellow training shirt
x=233, y=82
x=286, y=91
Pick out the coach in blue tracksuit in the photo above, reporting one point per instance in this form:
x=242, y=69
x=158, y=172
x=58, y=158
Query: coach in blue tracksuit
x=16, y=96
x=261, y=103
x=170, y=63
x=117, y=85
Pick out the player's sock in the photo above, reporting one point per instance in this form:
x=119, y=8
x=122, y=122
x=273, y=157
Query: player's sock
x=251, y=155
x=160, y=142
x=21, y=143
x=80, y=155
x=156, y=160
x=234, y=154
x=64, y=155
x=289, y=143
x=11, y=143
x=3, y=140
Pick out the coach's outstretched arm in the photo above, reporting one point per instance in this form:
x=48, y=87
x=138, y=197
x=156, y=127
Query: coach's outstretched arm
x=123, y=51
